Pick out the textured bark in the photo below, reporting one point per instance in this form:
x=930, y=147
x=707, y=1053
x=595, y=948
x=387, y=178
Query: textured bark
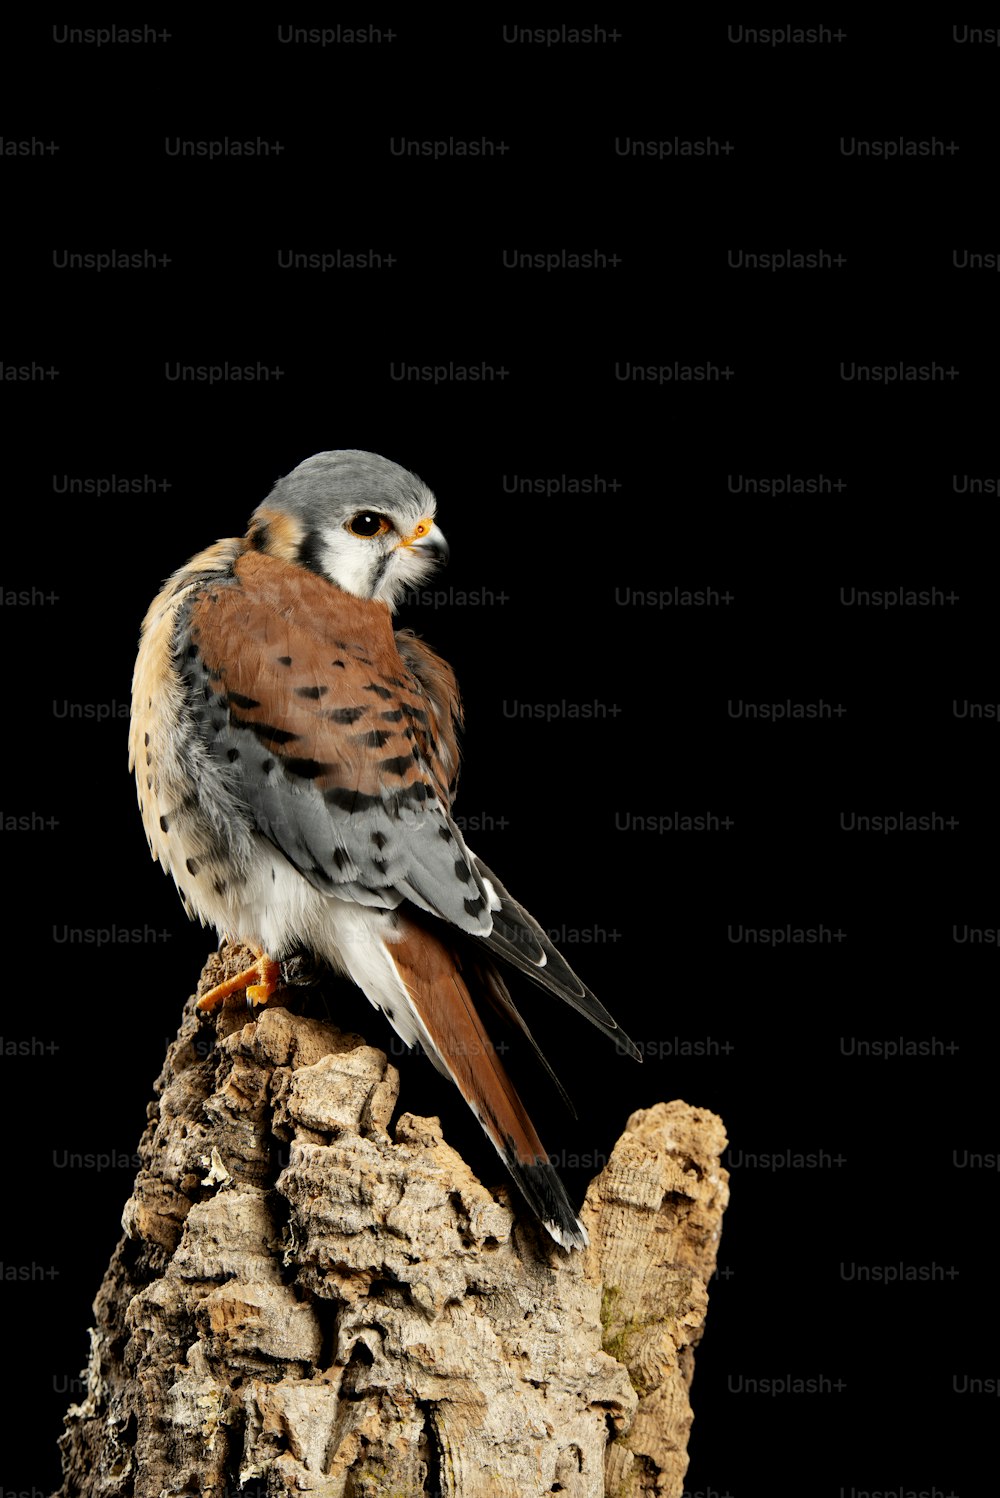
x=306, y=1303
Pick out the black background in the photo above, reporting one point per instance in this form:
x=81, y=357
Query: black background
x=551, y=800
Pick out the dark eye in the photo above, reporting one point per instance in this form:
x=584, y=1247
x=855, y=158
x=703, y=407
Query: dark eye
x=366, y=523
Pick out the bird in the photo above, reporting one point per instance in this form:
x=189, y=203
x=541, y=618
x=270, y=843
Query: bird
x=296, y=760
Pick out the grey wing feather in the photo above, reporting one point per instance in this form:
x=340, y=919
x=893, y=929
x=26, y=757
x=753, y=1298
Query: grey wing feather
x=519, y=938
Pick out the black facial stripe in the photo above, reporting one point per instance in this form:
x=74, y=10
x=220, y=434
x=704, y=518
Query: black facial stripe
x=311, y=551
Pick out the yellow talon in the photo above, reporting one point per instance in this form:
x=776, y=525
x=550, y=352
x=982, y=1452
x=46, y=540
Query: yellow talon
x=265, y=970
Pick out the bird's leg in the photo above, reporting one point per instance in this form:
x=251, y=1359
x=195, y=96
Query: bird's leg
x=265, y=970
x=269, y=973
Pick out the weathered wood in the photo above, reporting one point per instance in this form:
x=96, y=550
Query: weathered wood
x=306, y=1302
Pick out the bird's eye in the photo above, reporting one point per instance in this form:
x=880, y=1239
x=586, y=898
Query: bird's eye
x=366, y=523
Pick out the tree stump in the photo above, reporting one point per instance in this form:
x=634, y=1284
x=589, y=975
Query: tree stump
x=304, y=1302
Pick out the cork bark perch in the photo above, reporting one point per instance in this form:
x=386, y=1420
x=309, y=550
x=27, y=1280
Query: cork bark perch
x=307, y=1302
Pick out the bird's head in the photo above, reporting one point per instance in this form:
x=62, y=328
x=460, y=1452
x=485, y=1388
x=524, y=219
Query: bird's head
x=355, y=518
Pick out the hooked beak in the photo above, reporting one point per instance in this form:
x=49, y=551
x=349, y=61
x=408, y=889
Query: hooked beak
x=429, y=539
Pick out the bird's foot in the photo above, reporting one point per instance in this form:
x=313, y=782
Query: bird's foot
x=259, y=981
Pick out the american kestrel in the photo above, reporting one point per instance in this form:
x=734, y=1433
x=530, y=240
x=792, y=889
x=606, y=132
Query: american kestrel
x=296, y=761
